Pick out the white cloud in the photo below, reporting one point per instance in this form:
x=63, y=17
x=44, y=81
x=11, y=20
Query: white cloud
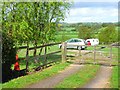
x=93, y=11
x=95, y=0
x=92, y=15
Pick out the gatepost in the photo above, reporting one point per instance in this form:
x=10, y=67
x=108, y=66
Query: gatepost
x=64, y=51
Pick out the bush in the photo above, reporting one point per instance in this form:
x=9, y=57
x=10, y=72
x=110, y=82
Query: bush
x=73, y=30
x=8, y=57
x=108, y=35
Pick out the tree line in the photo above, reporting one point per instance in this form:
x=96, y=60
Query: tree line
x=106, y=33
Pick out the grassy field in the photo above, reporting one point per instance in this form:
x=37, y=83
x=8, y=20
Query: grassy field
x=36, y=77
x=0, y=86
x=65, y=35
x=22, y=52
x=80, y=78
x=114, y=78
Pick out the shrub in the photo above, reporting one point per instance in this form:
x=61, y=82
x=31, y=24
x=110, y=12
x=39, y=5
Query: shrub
x=8, y=57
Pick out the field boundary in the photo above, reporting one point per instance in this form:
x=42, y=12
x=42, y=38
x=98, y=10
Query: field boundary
x=45, y=64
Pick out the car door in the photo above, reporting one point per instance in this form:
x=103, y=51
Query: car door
x=71, y=43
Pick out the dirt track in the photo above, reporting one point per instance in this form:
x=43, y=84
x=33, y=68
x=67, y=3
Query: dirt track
x=54, y=80
x=101, y=80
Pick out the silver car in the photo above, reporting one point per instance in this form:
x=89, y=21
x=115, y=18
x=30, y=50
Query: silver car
x=75, y=43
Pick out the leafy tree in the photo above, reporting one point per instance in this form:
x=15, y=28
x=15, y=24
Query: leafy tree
x=34, y=22
x=109, y=34
x=84, y=32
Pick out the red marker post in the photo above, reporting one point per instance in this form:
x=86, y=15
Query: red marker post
x=16, y=65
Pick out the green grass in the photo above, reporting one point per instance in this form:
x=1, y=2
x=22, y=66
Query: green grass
x=60, y=38
x=0, y=86
x=36, y=77
x=80, y=78
x=50, y=49
x=53, y=57
x=68, y=28
x=67, y=33
x=114, y=78
x=90, y=48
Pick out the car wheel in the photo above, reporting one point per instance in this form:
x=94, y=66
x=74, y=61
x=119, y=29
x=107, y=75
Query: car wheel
x=82, y=48
x=60, y=46
x=79, y=47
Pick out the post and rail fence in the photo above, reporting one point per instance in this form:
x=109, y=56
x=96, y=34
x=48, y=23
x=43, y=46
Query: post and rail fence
x=82, y=55
x=28, y=49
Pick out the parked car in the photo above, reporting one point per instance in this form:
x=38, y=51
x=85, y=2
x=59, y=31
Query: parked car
x=92, y=42
x=75, y=43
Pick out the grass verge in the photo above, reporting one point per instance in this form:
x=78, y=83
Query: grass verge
x=114, y=78
x=0, y=86
x=80, y=78
x=34, y=78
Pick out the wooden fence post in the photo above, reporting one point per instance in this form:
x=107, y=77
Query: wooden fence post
x=79, y=55
x=94, y=54
x=45, y=56
x=27, y=56
x=64, y=51
x=110, y=55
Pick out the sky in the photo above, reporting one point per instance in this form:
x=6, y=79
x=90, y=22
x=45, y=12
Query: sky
x=93, y=11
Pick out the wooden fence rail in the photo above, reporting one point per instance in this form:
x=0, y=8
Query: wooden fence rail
x=31, y=48
x=45, y=53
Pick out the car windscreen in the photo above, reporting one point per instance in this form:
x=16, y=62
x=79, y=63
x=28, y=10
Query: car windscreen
x=78, y=40
x=71, y=40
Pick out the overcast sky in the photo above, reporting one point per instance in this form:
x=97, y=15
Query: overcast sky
x=93, y=11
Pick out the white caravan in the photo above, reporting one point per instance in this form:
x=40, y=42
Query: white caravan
x=93, y=41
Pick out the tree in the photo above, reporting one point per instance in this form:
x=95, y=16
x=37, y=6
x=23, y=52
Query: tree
x=109, y=34
x=8, y=56
x=34, y=22
x=84, y=32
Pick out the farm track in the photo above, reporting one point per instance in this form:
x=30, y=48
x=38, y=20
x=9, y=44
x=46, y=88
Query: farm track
x=101, y=80
x=54, y=80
